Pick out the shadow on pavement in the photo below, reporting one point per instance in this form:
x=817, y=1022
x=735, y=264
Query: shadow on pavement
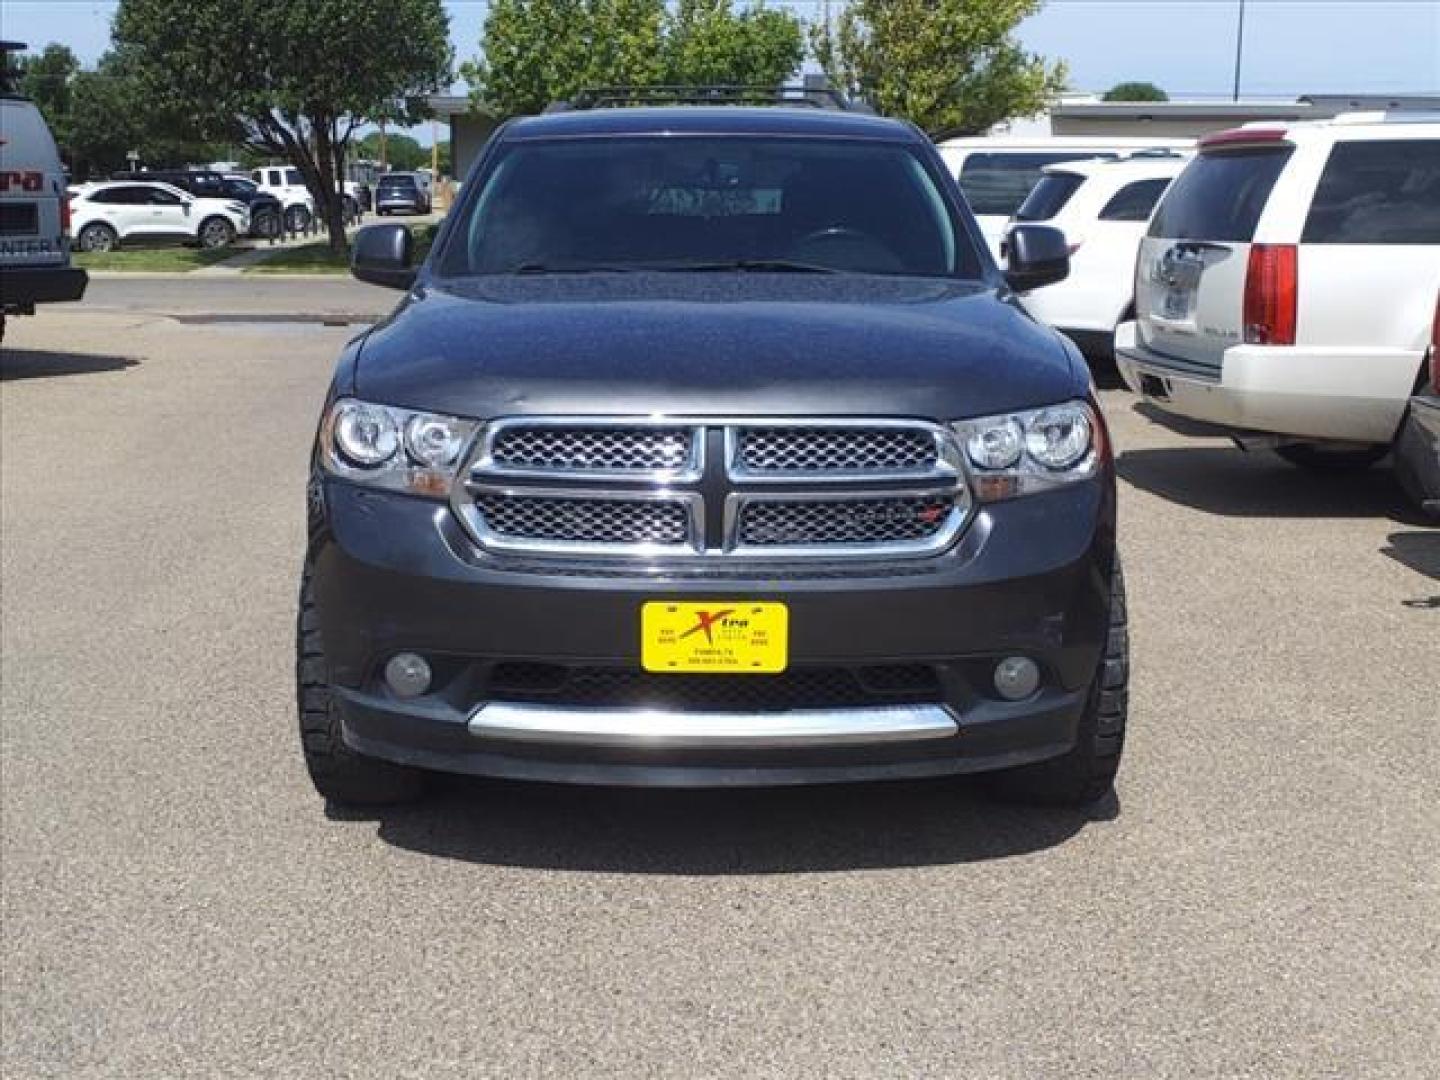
x=1229, y=482
x=718, y=832
x=1420, y=551
x=40, y=364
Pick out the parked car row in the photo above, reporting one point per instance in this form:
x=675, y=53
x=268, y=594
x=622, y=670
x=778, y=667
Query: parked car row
x=1280, y=284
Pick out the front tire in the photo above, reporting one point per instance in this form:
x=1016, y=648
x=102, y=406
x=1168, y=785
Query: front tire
x=338, y=772
x=1313, y=457
x=1086, y=773
x=216, y=232
x=297, y=219
x=96, y=237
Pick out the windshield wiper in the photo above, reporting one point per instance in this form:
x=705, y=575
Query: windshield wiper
x=579, y=268
x=756, y=266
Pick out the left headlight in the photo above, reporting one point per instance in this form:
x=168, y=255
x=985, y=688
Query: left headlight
x=1022, y=453
x=399, y=449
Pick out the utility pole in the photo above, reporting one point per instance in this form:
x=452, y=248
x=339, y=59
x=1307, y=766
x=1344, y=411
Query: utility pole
x=1239, y=50
x=383, y=158
x=434, y=153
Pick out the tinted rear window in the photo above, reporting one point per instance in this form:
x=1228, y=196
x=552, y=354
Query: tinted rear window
x=1220, y=196
x=1378, y=193
x=998, y=183
x=391, y=183
x=1133, y=202
x=1049, y=196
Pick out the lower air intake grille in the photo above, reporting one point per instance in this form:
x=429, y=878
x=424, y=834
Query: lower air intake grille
x=904, y=519
x=585, y=520
x=801, y=688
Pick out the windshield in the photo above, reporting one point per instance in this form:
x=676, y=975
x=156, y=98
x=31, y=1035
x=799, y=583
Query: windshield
x=708, y=203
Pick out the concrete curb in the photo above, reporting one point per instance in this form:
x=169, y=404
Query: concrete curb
x=237, y=276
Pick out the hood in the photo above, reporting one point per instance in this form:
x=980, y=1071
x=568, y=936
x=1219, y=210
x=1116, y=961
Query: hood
x=714, y=344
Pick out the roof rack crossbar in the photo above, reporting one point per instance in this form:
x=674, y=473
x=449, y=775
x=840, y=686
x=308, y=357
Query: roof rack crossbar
x=610, y=97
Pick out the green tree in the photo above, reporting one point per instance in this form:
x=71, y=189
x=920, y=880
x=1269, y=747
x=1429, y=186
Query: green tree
x=47, y=78
x=289, y=78
x=950, y=66
x=707, y=42
x=401, y=151
x=534, y=52
x=1136, y=91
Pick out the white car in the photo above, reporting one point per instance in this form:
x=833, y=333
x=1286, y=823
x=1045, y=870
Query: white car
x=287, y=185
x=1286, y=287
x=1102, y=207
x=996, y=173
x=104, y=216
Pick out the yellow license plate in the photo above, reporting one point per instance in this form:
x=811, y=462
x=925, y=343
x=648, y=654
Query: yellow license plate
x=720, y=637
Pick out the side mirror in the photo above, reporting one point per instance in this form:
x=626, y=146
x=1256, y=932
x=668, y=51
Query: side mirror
x=1035, y=256
x=382, y=256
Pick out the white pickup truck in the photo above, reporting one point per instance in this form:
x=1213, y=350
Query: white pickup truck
x=287, y=184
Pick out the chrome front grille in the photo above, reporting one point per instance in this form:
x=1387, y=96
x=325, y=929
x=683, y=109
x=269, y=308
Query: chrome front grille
x=771, y=489
x=818, y=451
x=578, y=449
x=812, y=522
x=515, y=520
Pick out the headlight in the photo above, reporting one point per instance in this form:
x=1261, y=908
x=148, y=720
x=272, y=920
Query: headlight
x=400, y=449
x=1022, y=453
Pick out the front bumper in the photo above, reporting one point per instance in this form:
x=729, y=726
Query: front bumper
x=22, y=287
x=1029, y=577
x=1345, y=394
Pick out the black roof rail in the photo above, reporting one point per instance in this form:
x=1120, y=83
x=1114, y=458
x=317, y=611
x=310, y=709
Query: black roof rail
x=613, y=97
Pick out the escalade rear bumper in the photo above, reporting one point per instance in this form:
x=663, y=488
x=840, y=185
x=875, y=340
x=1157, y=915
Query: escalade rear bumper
x=25, y=286
x=1030, y=577
x=1346, y=394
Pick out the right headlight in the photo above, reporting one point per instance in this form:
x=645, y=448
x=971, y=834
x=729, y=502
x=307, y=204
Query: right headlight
x=1022, y=453
x=401, y=449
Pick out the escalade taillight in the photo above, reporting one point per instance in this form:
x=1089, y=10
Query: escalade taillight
x=1271, y=294
x=65, y=214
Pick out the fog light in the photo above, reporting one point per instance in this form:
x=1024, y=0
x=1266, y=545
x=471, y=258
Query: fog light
x=408, y=675
x=1016, y=678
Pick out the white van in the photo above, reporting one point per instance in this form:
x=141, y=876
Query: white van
x=996, y=173
x=34, y=212
x=1286, y=286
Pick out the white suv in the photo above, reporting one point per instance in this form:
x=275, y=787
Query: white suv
x=103, y=216
x=1102, y=207
x=1286, y=286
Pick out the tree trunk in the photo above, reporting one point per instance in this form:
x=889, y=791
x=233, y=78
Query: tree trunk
x=329, y=202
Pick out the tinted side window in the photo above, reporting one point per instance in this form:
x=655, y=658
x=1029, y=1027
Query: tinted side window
x=1049, y=196
x=159, y=197
x=1220, y=196
x=997, y=183
x=126, y=196
x=1378, y=193
x=1133, y=202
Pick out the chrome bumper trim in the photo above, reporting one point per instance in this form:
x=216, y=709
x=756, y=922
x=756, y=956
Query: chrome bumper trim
x=666, y=729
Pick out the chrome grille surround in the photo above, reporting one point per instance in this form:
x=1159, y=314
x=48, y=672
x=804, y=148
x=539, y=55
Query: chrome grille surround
x=603, y=449
x=854, y=489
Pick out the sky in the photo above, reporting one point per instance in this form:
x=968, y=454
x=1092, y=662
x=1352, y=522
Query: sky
x=1187, y=47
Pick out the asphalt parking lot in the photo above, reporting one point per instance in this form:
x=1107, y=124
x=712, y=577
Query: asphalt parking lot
x=1261, y=900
